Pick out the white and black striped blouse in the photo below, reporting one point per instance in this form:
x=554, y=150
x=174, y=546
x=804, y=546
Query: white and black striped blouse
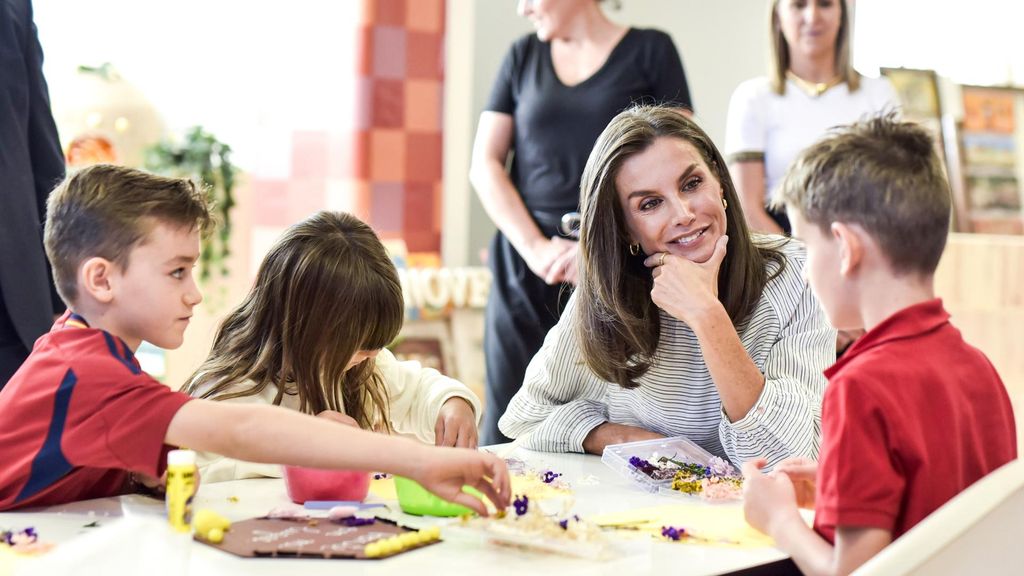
x=788, y=337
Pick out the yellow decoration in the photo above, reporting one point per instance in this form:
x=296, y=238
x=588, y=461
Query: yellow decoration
x=215, y=535
x=208, y=524
x=710, y=524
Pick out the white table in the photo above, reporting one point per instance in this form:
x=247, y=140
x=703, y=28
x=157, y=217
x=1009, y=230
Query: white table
x=597, y=488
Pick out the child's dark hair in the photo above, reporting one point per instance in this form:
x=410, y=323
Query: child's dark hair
x=325, y=290
x=883, y=175
x=105, y=210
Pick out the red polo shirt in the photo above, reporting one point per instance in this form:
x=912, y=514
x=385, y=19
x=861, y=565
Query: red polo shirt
x=912, y=415
x=77, y=417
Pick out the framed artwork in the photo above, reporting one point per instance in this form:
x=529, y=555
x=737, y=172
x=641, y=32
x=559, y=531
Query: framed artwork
x=990, y=149
x=918, y=91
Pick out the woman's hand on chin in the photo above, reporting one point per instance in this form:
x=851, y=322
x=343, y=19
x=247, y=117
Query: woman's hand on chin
x=683, y=288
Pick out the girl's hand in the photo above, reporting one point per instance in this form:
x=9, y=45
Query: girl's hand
x=768, y=499
x=683, y=288
x=339, y=418
x=444, y=471
x=802, y=472
x=456, y=424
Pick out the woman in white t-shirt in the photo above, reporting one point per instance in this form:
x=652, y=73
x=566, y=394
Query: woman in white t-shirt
x=811, y=87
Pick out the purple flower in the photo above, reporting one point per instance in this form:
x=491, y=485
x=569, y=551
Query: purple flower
x=673, y=533
x=26, y=536
x=357, y=521
x=521, y=505
x=719, y=467
x=548, y=476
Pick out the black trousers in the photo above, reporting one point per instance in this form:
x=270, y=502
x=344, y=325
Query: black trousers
x=782, y=219
x=520, y=311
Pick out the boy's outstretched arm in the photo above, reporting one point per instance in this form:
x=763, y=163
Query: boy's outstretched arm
x=769, y=503
x=271, y=434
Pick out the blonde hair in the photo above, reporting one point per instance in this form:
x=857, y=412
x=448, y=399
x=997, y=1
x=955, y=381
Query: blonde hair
x=779, y=60
x=325, y=290
x=105, y=210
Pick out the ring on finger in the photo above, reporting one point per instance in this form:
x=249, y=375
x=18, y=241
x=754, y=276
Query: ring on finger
x=662, y=261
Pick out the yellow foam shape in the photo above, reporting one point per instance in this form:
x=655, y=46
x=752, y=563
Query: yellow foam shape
x=711, y=524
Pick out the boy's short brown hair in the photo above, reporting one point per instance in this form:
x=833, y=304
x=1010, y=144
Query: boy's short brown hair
x=883, y=175
x=105, y=210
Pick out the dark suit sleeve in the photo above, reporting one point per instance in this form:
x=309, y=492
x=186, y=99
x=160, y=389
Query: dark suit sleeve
x=43, y=143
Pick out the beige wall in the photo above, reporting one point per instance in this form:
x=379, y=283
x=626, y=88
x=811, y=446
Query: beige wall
x=981, y=282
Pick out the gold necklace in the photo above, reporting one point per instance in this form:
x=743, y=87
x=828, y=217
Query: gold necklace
x=813, y=89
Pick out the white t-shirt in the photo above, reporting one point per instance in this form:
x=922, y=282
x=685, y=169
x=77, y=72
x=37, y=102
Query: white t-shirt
x=415, y=396
x=781, y=126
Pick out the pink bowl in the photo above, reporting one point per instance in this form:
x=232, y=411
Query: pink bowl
x=305, y=484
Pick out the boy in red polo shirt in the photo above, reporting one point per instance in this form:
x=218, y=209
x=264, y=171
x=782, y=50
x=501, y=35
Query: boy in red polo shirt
x=912, y=414
x=80, y=419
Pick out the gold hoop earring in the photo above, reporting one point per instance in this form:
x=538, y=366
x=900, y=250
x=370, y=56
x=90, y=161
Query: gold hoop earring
x=725, y=203
x=634, y=249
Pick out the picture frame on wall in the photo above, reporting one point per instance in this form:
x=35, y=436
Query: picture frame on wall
x=918, y=93
x=992, y=165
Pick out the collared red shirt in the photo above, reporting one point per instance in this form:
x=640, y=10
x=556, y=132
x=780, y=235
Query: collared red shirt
x=912, y=416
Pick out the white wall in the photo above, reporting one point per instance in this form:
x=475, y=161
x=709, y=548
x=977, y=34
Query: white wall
x=721, y=42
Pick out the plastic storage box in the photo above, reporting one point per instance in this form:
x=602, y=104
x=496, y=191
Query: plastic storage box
x=678, y=448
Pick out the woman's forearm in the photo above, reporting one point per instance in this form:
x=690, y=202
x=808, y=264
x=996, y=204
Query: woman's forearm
x=505, y=205
x=737, y=378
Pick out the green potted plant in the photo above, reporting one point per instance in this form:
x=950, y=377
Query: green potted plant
x=204, y=158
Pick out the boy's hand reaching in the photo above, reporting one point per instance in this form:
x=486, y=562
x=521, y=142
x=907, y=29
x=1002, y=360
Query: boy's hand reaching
x=456, y=424
x=802, y=472
x=769, y=500
x=444, y=471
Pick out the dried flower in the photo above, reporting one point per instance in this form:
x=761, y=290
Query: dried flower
x=521, y=505
x=26, y=536
x=357, y=521
x=672, y=532
x=548, y=476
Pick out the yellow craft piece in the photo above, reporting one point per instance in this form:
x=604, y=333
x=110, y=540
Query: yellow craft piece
x=215, y=535
x=384, y=489
x=710, y=524
x=210, y=525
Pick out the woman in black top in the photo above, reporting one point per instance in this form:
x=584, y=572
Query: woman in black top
x=554, y=94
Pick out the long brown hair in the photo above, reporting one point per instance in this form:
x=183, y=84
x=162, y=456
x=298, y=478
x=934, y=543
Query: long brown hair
x=619, y=325
x=779, y=61
x=326, y=290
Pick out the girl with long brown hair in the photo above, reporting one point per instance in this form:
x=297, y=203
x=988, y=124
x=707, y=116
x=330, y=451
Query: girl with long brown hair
x=311, y=336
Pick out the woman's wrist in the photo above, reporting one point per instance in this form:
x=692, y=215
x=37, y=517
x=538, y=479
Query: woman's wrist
x=708, y=317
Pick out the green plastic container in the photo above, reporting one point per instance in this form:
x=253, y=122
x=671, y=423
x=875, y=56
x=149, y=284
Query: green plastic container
x=415, y=499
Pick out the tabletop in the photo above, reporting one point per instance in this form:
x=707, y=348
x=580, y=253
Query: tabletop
x=111, y=535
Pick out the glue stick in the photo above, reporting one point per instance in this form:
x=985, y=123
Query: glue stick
x=181, y=486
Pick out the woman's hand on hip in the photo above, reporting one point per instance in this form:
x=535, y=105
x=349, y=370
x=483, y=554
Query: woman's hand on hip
x=544, y=253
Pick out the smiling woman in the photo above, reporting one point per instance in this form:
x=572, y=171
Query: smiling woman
x=682, y=322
